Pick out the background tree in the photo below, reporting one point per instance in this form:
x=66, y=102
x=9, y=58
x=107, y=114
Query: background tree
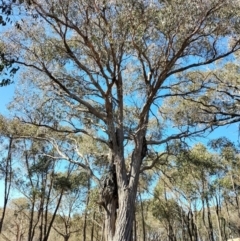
x=6, y=172
x=15, y=227
x=72, y=202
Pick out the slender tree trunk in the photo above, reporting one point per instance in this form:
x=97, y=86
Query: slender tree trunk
x=38, y=219
x=193, y=228
x=7, y=182
x=143, y=220
x=46, y=213
x=236, y=195
x=196, y=236
x=189, y=226
x=32, y=225
x=66, y=237
x=31, y=220
x=84, y=226
x=134, y=232
x=225, y=235
x=211, y=235
x=41, y=220
x=53, y=217
x=183, y=223
x=19, y=234
x=171, y=234
x=217, y=211
x=86, y=210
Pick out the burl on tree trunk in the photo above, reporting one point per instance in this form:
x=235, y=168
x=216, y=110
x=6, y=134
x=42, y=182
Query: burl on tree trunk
x=109, y=201
x=119, y=200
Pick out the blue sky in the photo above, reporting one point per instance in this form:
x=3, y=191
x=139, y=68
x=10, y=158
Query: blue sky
x=7, y=92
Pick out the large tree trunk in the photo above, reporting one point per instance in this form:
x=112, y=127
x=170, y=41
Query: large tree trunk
x=110, y=220
x=125, y=217
x=120, y=212
x=93, y=227
x=119, y=209
x=120, y=189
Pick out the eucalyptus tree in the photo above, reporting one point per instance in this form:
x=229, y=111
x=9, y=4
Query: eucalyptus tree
x=227, y=205
x=6, y=172
x=184, y=198
x=38, y=182
x=8, y=153
x=72, y=203
x=201, y=168
x=16, y=225
x=104, y=68
x=29, y=169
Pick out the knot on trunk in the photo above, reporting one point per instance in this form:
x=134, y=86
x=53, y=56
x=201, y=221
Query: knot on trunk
x=108, y=190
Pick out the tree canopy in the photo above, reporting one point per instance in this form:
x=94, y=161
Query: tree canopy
x=113, y=84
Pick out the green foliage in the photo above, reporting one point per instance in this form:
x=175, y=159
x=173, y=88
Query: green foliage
x=111, y=82
x=168, y=209
x=71, y=183
x=43, y=165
